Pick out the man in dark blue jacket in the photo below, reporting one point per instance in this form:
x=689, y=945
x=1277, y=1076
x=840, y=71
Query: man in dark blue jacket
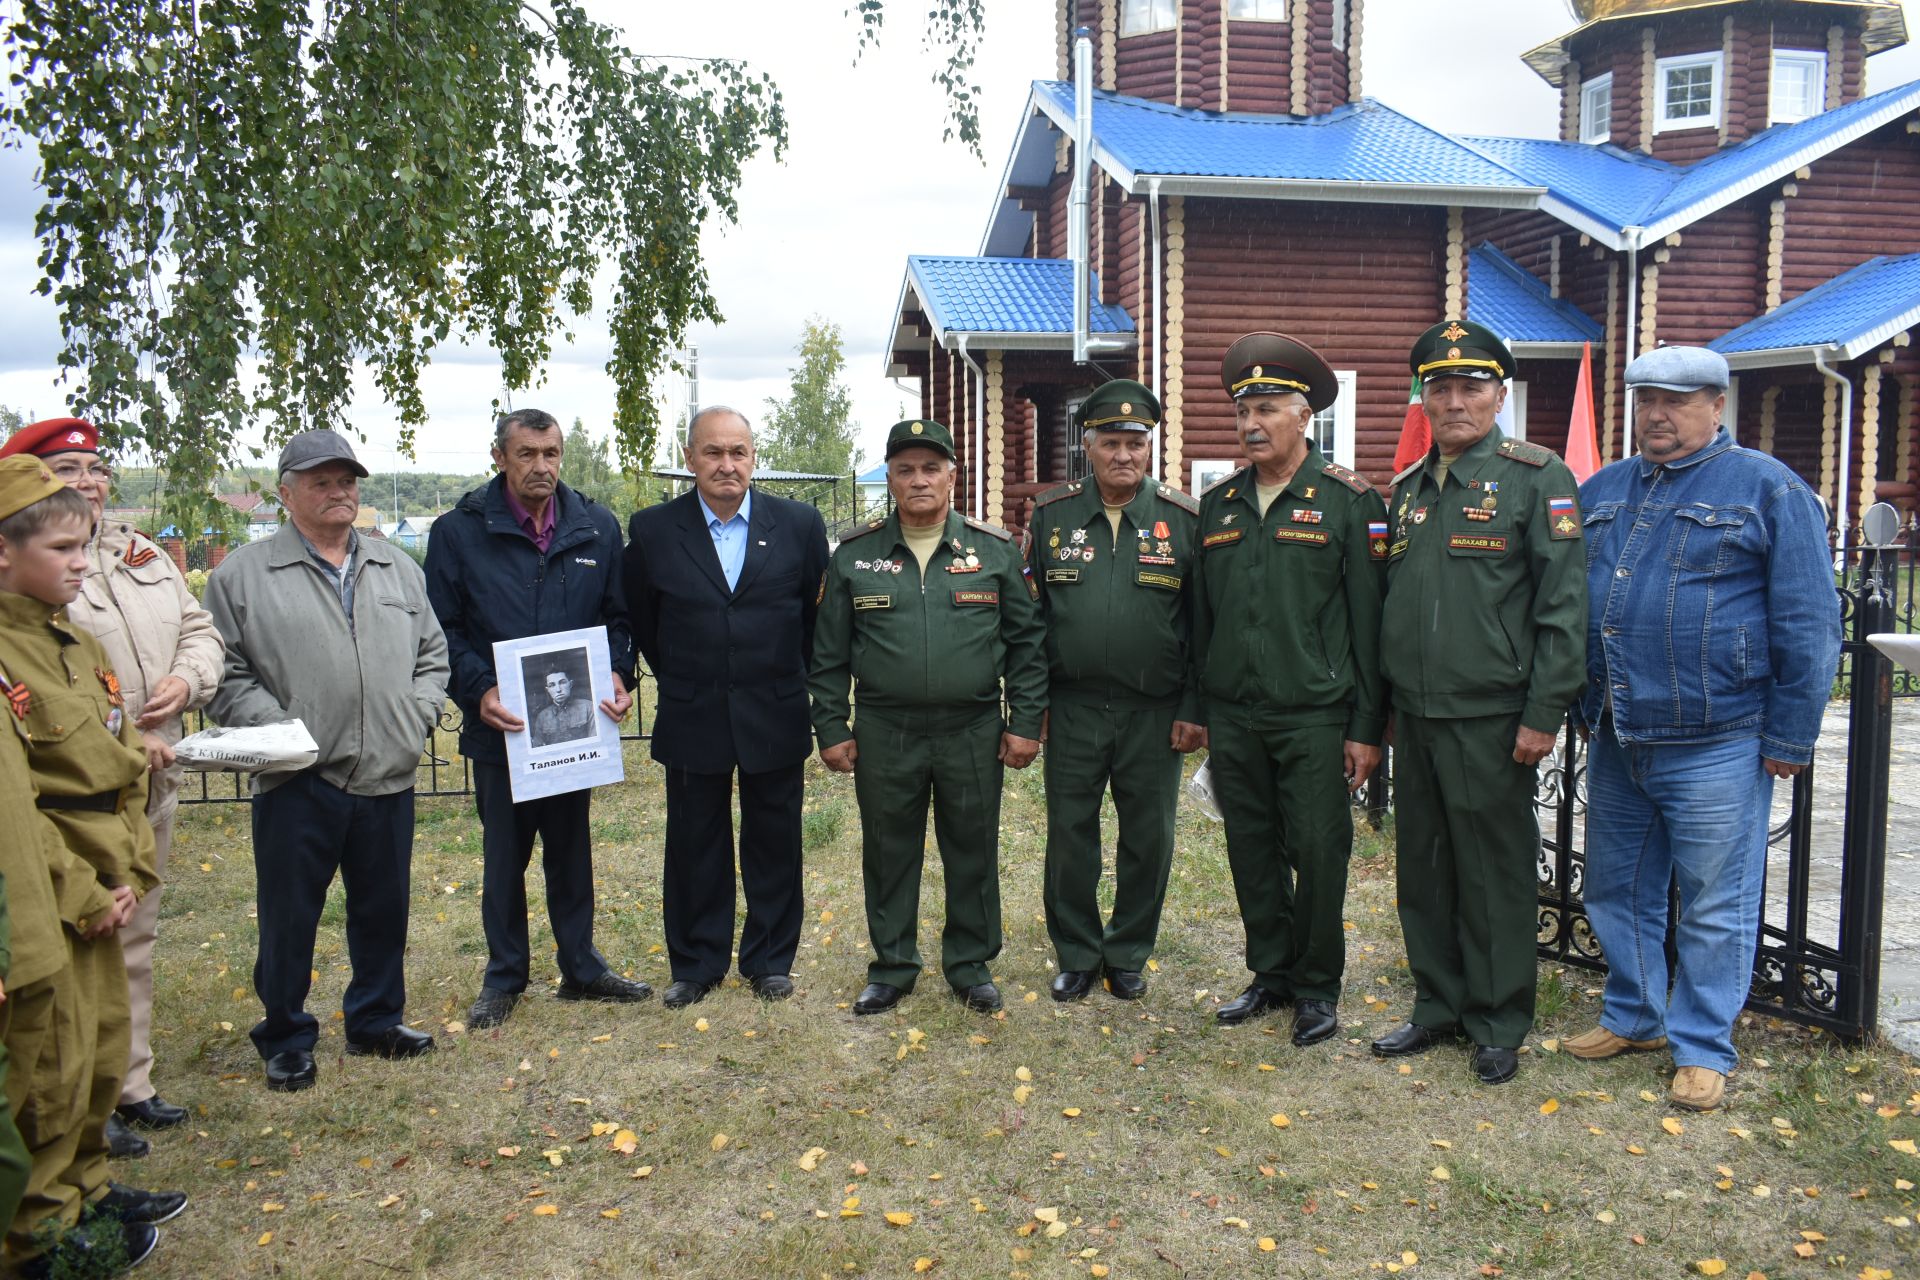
x=723, y=583
x=523, y=556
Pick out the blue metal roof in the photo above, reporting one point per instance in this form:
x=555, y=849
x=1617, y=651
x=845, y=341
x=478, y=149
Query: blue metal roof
x=1006, y=296
x=1613, y=186
x=1842, y=319
x=1365, y=142
x=1508, y=299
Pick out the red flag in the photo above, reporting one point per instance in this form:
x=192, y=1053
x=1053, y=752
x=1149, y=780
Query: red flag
x=1416, y=434
x=1583, y=455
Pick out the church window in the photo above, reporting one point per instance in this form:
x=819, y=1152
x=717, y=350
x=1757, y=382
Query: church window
x=1137, y=17
x=1596, y=109
x=1687, y=92
x=1799, y=86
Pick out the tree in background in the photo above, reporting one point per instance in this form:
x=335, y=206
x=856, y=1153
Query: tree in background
x=316, y=184
x=584, y=468
x=812, y=429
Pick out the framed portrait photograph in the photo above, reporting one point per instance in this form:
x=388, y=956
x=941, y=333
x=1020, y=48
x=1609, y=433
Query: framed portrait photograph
x=554, y=684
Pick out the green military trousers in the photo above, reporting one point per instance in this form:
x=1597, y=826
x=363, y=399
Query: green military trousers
x=1283, y=795
x=50, y=1039
x=904, y=759
x=1467, y=871
x=1090, y=747
x=16, y=1163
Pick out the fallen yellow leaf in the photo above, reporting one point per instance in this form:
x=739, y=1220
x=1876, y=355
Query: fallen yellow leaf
x=389, y=1202
x=602, y=1039
x=1710, y=1266
x=272, y=1206
x=1070, y=1113
x=1442, y=1143
x=626, y=1142
x=1055, y=1230
x=1811, y=1235
x=1635, y=1149
x=700, y=1024
x=545, y=1210
x=1440, y=1173
x=811, y=1160
x=644, y=1171
x=609, y=1213
x=922, y=1264
x=1021, y=1092
x=1550, y=1106
x=1673, y=1126
x=1607, y=1216
x=1279, y=1120
x=899, y=1219
x=1904, y=1146
x=1098, y=1270
x=1409, y=1258
x=601, y=1128
x=1268, y=1244
x=1647, y=1095
x=266, y=1238
x=1022, y=1074
x=720, y=1140
x=1804, y=1250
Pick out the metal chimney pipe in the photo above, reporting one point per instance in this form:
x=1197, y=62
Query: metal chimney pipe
x=1079, y=232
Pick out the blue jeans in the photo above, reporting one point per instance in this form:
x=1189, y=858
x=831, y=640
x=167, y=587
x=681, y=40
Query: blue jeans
x=1695, y=815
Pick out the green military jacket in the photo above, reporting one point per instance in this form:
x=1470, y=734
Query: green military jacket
x=32, y=946
x=82, y=747
x=1287, y=617
x=1119, y=615
x=1486, y=586
x=945, y=644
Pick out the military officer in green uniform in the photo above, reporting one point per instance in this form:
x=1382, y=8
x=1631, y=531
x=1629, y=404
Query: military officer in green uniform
x=1113, y=556
x=931, y=617
x=1287, y=638
x=1486, y=623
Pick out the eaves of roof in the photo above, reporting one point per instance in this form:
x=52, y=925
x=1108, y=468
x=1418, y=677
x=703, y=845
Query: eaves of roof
x=1843, y=319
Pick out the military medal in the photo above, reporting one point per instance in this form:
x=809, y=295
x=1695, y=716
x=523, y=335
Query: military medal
x=1054, y=541
x=1420, y=515
x=1160, y=530
x=1304, y=515
x=1164, y=547
x=1476, y=513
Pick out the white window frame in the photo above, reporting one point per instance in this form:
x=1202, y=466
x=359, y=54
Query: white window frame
x=1512, y=418
x=1341, y=415
x=1276, y=10
x=1206, y=471
x=1596, y=125
x=1663, y=71
x=1342, y=15
x=1814, y=61
x=1143, y=17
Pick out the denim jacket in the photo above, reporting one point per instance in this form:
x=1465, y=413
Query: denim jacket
x=1713, y=612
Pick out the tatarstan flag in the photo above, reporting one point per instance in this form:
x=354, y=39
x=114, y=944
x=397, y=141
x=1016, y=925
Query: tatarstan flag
x=1416, y=434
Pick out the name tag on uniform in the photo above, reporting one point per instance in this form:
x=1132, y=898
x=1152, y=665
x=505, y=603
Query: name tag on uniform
x=1165, y=580
x=1221, y=538
x=976, y=597
x=1063, y=575
x=873, y=602
x=1477, y=542
x=1286, y=533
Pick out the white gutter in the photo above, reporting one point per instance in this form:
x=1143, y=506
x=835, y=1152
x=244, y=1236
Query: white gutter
x=1633, y=323
x=1427, y=193
x=1159, y=328
x=1840, y=516
x=979, y=432
x=1079, y=233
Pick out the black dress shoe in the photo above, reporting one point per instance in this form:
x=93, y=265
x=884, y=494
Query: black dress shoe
x=771, y=986
x=89, y=1249
x=153, y=1113
x=1125, y=984
x=981, y=997
x=291, y=1071
x=609, y=988
x=397, y=1041
x=680, y=993
x=1313, y=1021
x=1071, y=984
x=130, y=1204
x=1495, y=1065
x=490, y=1008
x=1255, y=1000
x=123, y=1143
x=877, y=998
x=1410, y=1038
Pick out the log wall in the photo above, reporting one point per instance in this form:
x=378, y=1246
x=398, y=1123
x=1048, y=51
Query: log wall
x=1857, y=203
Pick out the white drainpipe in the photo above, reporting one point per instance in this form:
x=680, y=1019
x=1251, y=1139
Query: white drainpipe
x=1159, y=327
x=1841, y=518
x=979, y=431
x=1079, y=234
x=1633, y=235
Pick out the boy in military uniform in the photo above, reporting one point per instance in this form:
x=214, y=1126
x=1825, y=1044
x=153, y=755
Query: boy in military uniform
x=32, y=950
x=1486, y=621
x=90, y=774
x=929, y=613
x=1112, y=557
x=1287, y=641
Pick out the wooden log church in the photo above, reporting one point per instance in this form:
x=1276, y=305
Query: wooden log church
x=1719, y=178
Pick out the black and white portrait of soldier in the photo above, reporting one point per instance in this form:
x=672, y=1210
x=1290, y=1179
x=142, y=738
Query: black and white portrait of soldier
x=559, y=699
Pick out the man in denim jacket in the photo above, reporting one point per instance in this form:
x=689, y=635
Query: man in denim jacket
x=1712, y=638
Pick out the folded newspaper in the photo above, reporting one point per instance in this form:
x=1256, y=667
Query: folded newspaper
x=1200, y=790
x=263, y=748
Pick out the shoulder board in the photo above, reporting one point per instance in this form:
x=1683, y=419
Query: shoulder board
x=1408, y=473
x=1058, y=492
x=1352, y=479
x=1532, y=454
x=1181, y=499
x=982, y=526
x=860, y=531
x=1222, y=480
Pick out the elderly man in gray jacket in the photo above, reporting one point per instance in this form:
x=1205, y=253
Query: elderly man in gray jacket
x=332, y=629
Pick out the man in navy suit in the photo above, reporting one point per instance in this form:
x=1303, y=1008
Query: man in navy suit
x=721, y=586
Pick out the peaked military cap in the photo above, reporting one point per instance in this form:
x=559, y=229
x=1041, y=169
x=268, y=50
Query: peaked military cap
x=920, y=433
x=1272, y=364
x=25, y=480
x=1120, y=405
x=55, y=435
x=1460, y=349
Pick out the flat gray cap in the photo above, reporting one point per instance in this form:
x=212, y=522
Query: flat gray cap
x=1679, y=369
x=311, y=448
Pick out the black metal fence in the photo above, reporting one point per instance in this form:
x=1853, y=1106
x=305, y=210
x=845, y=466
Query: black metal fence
x=1818, y=960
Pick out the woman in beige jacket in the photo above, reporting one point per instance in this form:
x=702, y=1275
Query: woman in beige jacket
x=167, y=656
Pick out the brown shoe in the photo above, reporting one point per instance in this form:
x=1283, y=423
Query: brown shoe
x=1602, y=1043
x=1697, y=1088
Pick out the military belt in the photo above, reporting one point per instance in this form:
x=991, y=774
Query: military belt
x=925, y=720
x=104, y=802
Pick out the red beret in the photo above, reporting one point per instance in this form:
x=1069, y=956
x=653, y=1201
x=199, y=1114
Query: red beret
x=55, y=435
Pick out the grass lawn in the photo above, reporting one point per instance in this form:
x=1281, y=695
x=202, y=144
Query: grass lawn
x=736, y=1139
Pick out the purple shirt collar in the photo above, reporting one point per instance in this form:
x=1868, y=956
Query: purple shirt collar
x=542, y=536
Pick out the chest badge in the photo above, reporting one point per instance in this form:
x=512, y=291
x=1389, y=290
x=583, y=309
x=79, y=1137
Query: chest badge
x=1420, y=515
x=19, y=698
x=111, y=683
x=1229, y=518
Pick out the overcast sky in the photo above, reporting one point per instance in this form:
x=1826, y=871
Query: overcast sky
x=865, y=182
